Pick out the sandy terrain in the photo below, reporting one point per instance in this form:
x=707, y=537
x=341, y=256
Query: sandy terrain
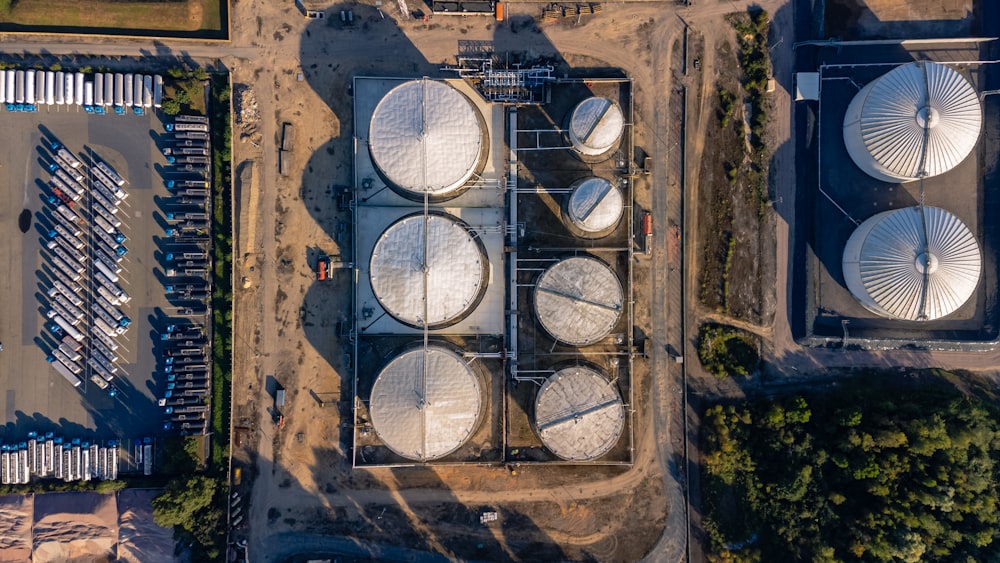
x=83, y=527
x=140, y=540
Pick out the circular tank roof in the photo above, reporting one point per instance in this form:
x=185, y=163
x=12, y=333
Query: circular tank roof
x=425, y=403
x=434, y=256
x=425, y=137
x=914, y=264
x=578, y=300
x=579, y=414
x=595, y=205
x=595, y=126
x=918, y=120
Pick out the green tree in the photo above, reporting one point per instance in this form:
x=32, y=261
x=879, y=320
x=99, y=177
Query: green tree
x=182, y=501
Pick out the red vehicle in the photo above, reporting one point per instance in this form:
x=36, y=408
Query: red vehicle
x=62, y=196
x=322, y=267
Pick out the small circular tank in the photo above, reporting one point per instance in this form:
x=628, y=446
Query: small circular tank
x=596, y=127
x=578, y=300
x=579, y=414
x=594, y=207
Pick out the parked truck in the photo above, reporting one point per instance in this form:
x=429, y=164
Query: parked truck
x=60, y=326
x=187, y=151
x=64, y=371
x=179, y=126
x=107, y=170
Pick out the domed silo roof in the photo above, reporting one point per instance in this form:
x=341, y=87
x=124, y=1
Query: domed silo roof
x=595, y=126
x=914, y=264
x=426, y=137
x=426, y=403
x=918, y=120
x=579, y=414
x=436, y=256
x=578, y=300
x=594, y=205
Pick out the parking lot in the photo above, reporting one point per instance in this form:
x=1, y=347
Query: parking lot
x=36, y=396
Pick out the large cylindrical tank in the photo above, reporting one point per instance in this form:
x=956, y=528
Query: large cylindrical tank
x=579, y=414
x=427, y=138
x=593, y=207
x=431, y=270
x=913, y=264
x=426, y=403
x=596, y=126
x=918, y=120
x=579, y=300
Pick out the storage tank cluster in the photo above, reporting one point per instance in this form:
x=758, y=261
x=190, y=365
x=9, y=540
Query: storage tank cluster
x=25, y=90
x=919, y=263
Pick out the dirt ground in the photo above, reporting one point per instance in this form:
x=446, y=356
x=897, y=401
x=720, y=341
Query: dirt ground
x=286, y=323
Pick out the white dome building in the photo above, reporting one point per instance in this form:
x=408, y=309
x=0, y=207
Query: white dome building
x=578, y=300
x=428, y=270
x=579, y=414
x=426, y=403
x=919, y=120
x=594, y=207
x=426, y=137
x=913, y=264
x=596, y=127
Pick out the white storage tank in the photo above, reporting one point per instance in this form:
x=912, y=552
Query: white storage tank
x=426, y=137
x=594, y=207
x=913, y=264
x=918, y=120
x=579, y=300
x=596, y=126
x=579, y=414
x=431, y=270
x=426, y=403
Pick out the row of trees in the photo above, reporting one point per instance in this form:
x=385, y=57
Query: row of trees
x=853, y=476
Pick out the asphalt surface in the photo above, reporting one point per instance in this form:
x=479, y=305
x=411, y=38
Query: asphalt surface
x=36, y=397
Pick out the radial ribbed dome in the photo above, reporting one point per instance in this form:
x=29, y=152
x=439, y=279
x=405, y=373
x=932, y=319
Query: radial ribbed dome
x=425, y=403
x=579, y=414
x=915, y=264
x=436, y=257
x=425, y=137
x=595, y=205
x=578, y=300
x=918, y=120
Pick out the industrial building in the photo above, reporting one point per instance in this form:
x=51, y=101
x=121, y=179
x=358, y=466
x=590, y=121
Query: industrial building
x=453, y=297
x=900, y=245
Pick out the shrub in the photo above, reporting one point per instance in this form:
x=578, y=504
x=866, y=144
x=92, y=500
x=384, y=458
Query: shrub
x=725, y=351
